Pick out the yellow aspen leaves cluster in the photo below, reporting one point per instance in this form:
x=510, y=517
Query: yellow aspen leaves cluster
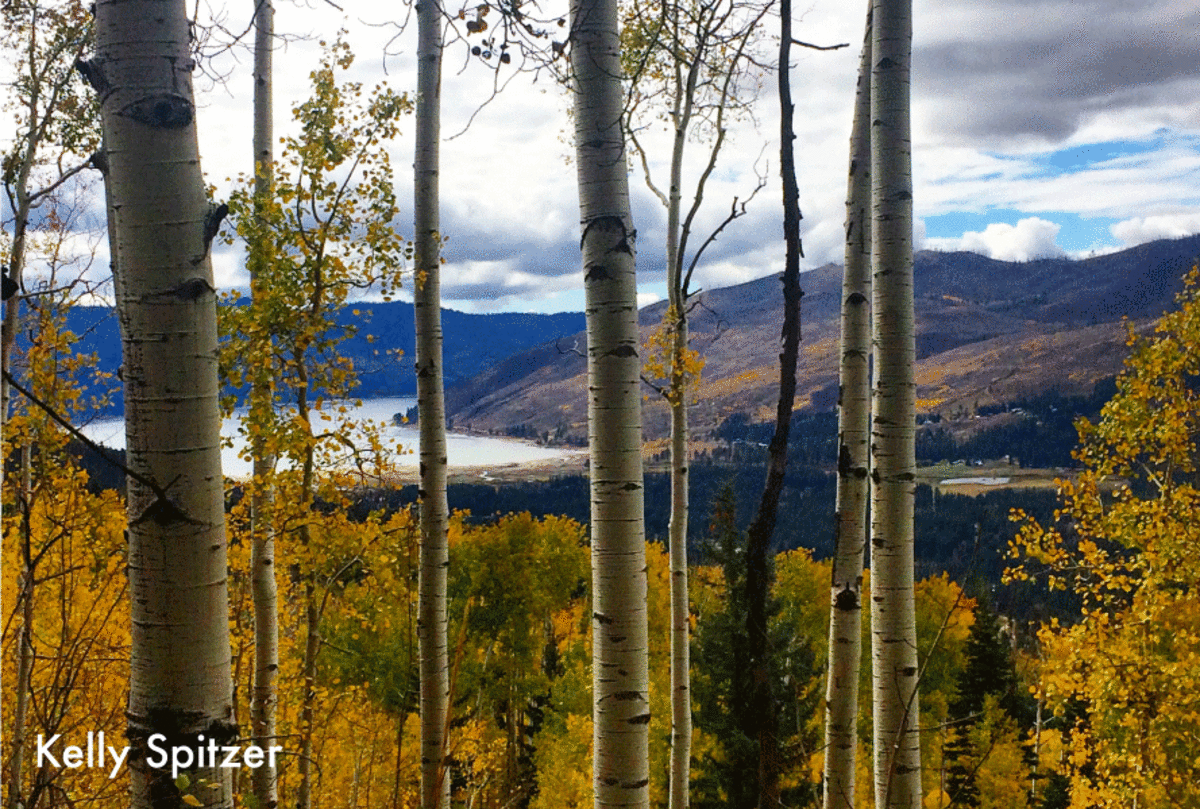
x=676, y=370
x=1124, y=677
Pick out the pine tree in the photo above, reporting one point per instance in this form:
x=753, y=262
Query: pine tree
x=989, y=677
x=721, y=686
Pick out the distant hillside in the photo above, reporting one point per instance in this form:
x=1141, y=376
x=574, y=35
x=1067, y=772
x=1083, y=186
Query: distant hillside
x=473, y=343
x=987, y=332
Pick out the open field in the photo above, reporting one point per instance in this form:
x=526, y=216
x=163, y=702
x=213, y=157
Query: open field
x=989, y=477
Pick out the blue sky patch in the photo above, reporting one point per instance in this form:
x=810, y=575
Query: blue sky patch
x=1077, y=233
x=1081, y=158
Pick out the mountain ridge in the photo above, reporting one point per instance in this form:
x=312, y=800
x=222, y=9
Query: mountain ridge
x=383, y=348
x=988, y=331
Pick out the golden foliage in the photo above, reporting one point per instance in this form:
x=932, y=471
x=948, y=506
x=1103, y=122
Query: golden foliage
x=676, y=367
x=1125, y=677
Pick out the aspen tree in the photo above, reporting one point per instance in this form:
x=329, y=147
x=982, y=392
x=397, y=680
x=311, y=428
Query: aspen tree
x=52, y=522
x=845, y=617
x=893, y=621
x=264, y=697
x=696, y=55
x=431, y=409
x=54, y=127
x=330, y=237
x=621, y=704
x=162, y=223
x=1123, y=677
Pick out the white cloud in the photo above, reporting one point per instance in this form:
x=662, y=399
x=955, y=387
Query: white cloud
x=647, y=298
x=1141, y=229
x=919, y=237
x=1029, y=238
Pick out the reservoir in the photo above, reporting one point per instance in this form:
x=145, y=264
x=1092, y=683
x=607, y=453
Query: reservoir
x=464, y=451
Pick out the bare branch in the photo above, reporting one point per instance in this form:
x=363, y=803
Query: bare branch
x=736, y=211
x=659, y=389
x=572, y=350
x=159, y=491
x=821, y=47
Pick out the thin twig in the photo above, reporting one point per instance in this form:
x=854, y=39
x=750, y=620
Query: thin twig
x=159, y=491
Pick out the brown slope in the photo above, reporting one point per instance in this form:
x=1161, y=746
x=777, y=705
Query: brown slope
x=987, y=331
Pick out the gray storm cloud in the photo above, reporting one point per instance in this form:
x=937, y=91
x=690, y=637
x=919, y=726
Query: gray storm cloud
x=1044, y=70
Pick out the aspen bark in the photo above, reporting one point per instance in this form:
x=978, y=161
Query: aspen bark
x=431, y=407
x=21, y=200
x=893, y=622
x=853, y=488
x=677, y=529
x=621, y=704
x=180, y=679
x=312, y=613
x=264, y=692
x=681, y=693
x=15, y=271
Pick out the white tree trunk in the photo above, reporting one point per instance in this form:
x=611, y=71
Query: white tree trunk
x=845, y=616
x=621, y=705
x=894, y=639
x=677, y=530
x=264, y=692
x=431, y=415
x=180, y=680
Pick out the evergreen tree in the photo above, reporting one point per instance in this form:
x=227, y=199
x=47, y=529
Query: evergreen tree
x=989, y=670
x=988, y=681
x=722, y=682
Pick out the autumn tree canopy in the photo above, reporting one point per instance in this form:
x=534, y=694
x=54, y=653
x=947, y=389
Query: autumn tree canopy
x=1124, y=679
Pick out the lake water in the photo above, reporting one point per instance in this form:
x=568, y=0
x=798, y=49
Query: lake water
x=984, y=481
x=462, y=450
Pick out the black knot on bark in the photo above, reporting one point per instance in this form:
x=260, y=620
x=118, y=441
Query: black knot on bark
x=93, y=74
x=164, y=512
x=161, y=111
x=846, y=600
x=597, y=272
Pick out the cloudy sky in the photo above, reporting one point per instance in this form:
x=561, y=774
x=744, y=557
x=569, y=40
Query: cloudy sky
x=1039, y=128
